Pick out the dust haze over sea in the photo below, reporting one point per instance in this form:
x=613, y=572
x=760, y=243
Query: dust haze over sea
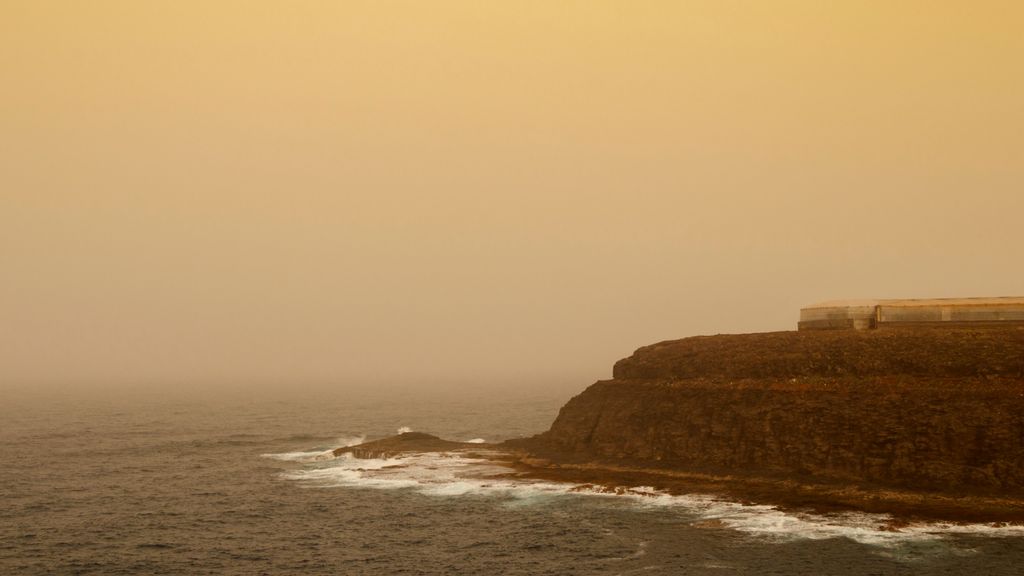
x=130, y=483
x=207, y=206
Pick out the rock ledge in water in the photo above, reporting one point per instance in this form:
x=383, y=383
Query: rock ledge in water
x=408, y=442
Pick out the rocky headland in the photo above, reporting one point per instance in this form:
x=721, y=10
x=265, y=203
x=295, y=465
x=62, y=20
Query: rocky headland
x=916, y=422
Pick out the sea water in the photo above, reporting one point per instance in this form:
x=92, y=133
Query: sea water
x=247, y=484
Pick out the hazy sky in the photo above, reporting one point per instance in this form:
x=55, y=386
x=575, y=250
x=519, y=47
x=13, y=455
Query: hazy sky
x=485, y=192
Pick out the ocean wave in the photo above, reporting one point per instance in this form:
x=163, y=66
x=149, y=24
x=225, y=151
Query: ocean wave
x=312, y=456
x=316, y=455
x=454, y=475
x=346, y=441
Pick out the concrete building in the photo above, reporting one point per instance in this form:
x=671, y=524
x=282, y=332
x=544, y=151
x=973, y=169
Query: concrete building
x=869, y=314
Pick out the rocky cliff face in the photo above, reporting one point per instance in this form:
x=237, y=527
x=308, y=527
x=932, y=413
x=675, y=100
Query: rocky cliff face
x=929, y=409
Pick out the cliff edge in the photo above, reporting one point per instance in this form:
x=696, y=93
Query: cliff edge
x=923, y=415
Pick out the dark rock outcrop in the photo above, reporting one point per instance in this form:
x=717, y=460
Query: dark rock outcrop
x=937, y=410
x=922, y=352
x=405, y=443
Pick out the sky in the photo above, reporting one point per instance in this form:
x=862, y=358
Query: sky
x=485, y=194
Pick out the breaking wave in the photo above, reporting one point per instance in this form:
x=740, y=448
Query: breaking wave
x=454, y=475
x=316, y=455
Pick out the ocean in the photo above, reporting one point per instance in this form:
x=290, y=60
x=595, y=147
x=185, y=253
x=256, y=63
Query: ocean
x=130, y=483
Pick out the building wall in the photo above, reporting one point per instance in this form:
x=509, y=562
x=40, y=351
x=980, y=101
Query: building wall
x=863, y=314
x=856, y=317
x=949, y=313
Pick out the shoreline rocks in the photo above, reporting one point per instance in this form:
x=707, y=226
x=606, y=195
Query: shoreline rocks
x=894, y=420
x=922, y=423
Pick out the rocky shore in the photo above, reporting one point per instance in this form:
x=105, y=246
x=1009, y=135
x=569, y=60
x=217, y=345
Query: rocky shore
x=924, y=423
x=917, y=422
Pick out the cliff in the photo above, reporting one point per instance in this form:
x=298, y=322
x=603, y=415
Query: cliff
x=933, y=412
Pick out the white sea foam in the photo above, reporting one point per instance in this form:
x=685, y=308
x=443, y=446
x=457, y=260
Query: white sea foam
x=316, y=455
x=346, y=441
x=404, y=430
x=770, y=522
x=313, y=456
x=476, y=441
x=455, y=475
x=440, y=474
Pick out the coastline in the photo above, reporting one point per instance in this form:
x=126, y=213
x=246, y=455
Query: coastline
x=784, y=493
x=787, y=494
x=919, y=424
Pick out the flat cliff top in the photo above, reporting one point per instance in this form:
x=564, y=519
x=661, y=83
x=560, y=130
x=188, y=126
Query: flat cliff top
x=924, y=352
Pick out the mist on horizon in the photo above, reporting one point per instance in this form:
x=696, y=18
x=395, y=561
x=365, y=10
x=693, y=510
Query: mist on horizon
x=461, y=193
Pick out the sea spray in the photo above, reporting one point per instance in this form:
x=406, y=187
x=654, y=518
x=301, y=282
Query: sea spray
x=447, y=474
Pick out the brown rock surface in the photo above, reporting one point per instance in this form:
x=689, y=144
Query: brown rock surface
x=926, y=352
x=899, y=412
x=407, y=442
